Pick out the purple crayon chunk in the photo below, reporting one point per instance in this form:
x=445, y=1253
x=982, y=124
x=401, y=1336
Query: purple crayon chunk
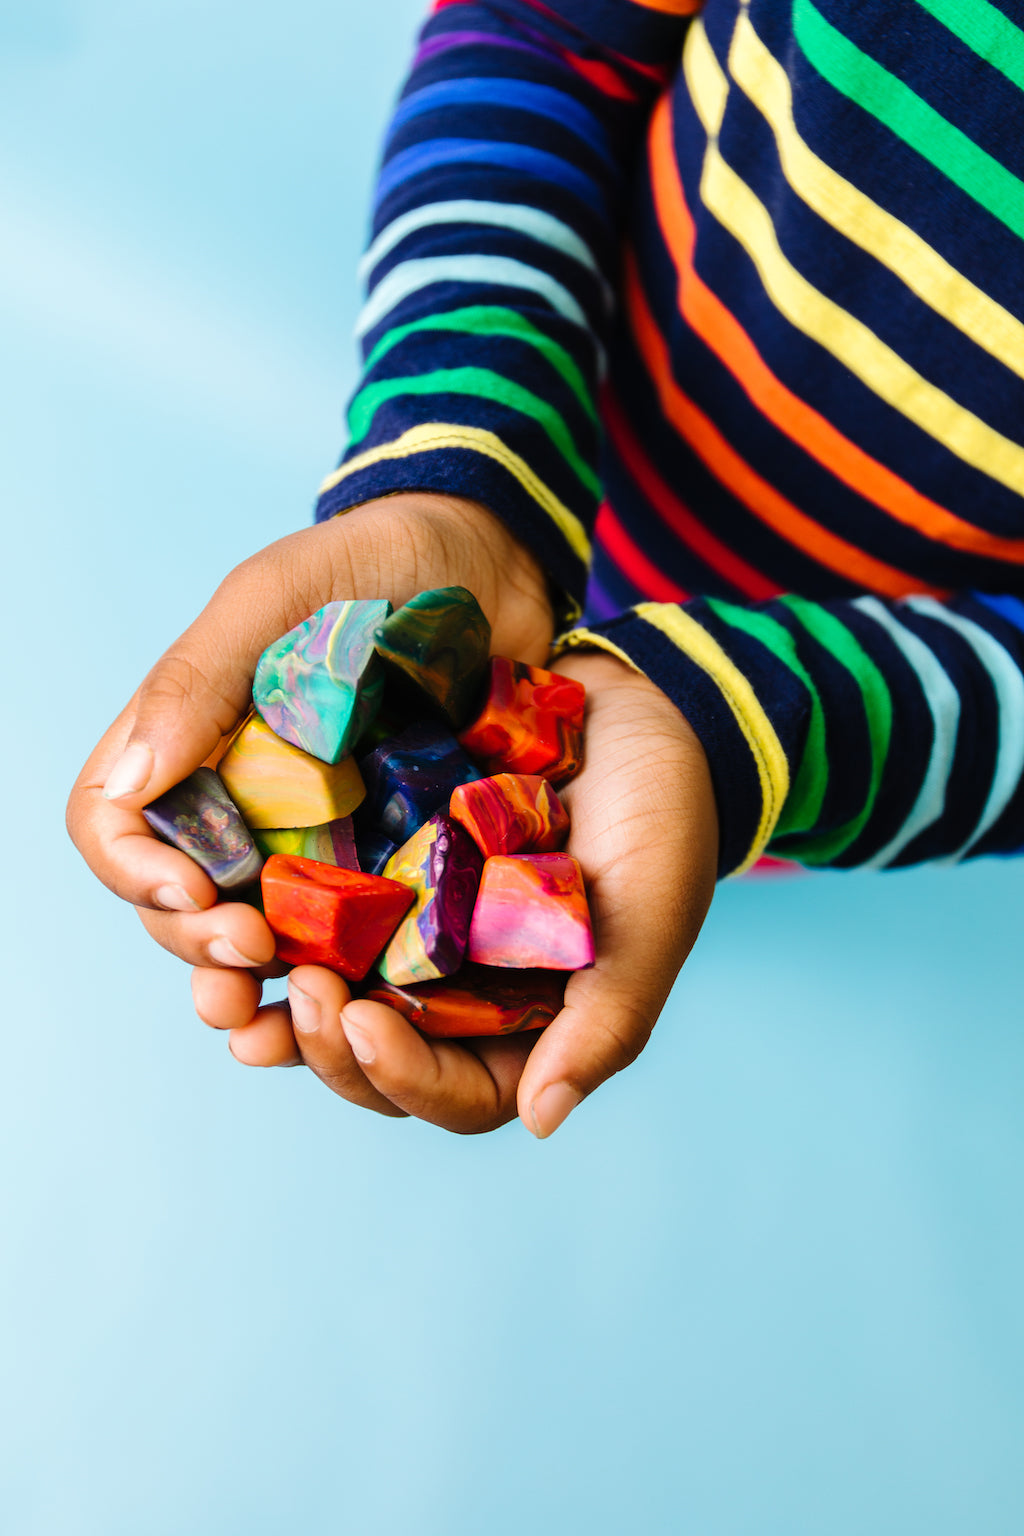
x=409, y=778
x=199, y=817
x=442, y=864
x=343, y=842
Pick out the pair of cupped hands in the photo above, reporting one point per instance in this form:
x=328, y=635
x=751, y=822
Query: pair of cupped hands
x=644, y=829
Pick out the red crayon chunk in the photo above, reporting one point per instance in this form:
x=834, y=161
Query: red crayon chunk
x=322, y=915
x=531, y=722
x=478, y=1000
x=531, y=910
x=511, y=813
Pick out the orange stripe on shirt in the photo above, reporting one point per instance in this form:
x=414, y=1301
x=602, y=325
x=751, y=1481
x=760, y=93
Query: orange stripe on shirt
x=671, y=7
x=719, y=328
x=756, y=493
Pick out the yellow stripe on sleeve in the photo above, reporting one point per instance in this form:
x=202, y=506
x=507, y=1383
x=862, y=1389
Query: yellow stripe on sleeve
x=861, y=220
x=585, y=639
x=433, y=436
x=758, y=731
x=738, y=209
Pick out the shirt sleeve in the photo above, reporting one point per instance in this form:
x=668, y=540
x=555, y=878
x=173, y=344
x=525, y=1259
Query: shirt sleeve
x=851, y=733
x=493, y=263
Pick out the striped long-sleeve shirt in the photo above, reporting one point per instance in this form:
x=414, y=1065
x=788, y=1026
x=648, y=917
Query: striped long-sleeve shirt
x=721, y=308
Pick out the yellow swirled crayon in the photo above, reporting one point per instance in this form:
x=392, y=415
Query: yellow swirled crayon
x=277, y=785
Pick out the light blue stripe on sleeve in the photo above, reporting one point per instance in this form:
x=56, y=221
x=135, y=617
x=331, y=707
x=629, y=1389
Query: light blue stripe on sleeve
x=536, y=163
x=485, y=271
x=500, y=91
x=944, y=705
x=534, y=223
x=1009, y=691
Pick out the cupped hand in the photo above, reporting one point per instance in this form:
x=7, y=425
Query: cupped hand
x=645, y=830
x=198, y=691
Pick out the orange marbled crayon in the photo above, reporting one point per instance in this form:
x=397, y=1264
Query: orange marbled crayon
x=531, y=722
x=511, y=813
x=477, y=1000
x=322, y=915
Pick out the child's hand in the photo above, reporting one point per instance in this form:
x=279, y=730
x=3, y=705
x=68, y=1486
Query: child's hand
x=199, y=690
x=645, y=830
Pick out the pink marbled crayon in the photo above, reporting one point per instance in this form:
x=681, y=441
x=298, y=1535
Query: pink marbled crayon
x=531, y=910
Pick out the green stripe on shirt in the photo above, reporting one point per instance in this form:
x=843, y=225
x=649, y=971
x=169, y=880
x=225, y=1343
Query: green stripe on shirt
x=867, y=83
x=492, y=320
x=877, y=700
x=986, y=31
x=486, y=385
x=803, y=803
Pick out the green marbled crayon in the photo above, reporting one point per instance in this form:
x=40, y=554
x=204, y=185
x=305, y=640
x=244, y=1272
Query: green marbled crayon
x=435, y=648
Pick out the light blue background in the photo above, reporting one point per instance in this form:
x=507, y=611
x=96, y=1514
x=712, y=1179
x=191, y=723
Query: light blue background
x=768, y=1283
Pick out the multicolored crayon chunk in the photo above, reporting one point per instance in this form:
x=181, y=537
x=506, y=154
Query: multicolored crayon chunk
x=479, y=1000
x=511, y=813
x=410, y=778
x=276, y=785
x=435, y=649
x=448, y=881
x=321, y=915
x=321, y=683
x=199, y=817
x=531, y=722
x=373, y=850
x=332, y=843
x=442, y=864
x=531, y=910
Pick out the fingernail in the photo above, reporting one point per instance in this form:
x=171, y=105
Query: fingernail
x=305, y=1010
x=175, y=898
x=363, y=1048
x=224, y=952
x=130, y=773
x=551, y=1106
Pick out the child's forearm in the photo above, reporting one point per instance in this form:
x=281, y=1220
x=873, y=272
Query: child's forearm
x=494, y=254
x=848, y=733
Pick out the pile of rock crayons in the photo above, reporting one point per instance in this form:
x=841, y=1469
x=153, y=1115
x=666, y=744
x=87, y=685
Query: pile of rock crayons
x=393, y=790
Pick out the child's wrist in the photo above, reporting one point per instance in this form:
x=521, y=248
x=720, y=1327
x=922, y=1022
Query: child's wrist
x=450, y=533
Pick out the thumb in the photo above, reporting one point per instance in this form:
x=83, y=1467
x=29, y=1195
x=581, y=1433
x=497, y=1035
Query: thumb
x=648, y=905
x=607, y=1019
x=200, y=688
x=645, y=830
x=183, y=709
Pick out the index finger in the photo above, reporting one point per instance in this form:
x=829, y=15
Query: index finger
x=467, y=1087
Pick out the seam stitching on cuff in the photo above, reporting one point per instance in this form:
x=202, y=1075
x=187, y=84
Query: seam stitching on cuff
x=432, y=437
